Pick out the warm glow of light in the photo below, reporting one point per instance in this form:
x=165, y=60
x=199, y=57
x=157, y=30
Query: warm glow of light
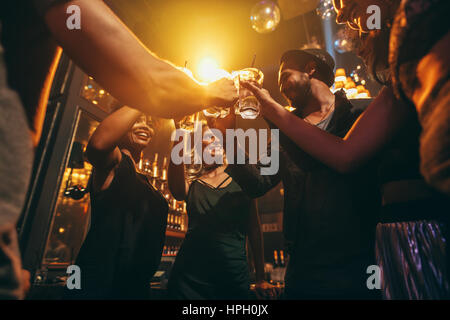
x=289, y=108
x=270, y=24
x=340, y=75
x=340, y=72
x=340, y=79
x=208, y=71
x=61, y=230
x=188, y=72
x=339, y=85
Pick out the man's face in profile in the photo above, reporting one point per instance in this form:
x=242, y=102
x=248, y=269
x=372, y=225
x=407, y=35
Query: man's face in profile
x=294, y=83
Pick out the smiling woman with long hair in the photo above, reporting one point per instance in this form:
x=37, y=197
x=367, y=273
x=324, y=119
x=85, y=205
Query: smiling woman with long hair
x=212, y=262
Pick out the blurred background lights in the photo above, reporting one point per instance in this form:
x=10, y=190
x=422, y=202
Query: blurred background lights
x=265, y=16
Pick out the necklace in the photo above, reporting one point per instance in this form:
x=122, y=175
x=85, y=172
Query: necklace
x=321, y=119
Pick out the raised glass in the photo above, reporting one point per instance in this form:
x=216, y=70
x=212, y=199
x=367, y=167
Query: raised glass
x=248, y=106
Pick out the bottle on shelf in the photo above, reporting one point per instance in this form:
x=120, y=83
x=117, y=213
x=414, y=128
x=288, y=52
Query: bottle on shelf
x=282, y=263
x=147, y=167
x=155, y=171
x=275, y=259
x=141, y=162
x=275, y=275
x=177, y=223
x=164, y=165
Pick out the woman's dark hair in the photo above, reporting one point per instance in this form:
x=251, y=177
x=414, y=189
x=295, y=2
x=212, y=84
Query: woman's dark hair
x=373, y=47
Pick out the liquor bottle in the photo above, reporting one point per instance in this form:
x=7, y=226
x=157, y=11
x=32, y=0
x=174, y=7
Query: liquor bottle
x=174, y=204
x=275, y=259
x=141, y=162
x=155, y=172
x=147, y=167
x=185, y=217
x=282, y=264
x=175, y=220
x=163, y=175
x=275, y=275
x=178, y=224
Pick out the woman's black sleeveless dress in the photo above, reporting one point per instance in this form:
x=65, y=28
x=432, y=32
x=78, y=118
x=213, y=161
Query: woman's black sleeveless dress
x=212, y=261
x=124, y=244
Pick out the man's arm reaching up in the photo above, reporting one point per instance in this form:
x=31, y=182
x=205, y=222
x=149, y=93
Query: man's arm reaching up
x=108, y=51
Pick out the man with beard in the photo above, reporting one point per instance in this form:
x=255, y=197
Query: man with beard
x=329, y=217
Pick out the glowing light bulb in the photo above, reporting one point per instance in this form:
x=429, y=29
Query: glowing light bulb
x=209, y=71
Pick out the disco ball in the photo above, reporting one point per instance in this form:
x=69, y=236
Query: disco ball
x=325, y=9
x=342, y=43
x=265, y=16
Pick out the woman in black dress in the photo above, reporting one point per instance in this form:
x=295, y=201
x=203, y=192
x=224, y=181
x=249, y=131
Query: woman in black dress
x=212, y=262
x=128, y=216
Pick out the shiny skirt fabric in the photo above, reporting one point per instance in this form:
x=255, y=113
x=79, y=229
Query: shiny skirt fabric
x=412, y=259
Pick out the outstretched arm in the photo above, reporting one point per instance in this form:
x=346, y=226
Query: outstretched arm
x=107, y=50
x=373, y=129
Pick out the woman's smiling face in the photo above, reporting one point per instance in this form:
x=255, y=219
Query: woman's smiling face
x=354, y=12
x=140, y=135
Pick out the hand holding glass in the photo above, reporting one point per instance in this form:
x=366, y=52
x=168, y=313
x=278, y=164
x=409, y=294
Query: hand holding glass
x=248, y=106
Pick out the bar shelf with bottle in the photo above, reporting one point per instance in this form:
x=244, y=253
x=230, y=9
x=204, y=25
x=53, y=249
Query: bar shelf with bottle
x=157, y=175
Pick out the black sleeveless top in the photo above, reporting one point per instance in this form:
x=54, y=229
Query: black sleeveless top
x=123, y=247
x=212, y=262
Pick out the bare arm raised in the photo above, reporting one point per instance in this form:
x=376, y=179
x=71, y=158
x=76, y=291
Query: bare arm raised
x=107, y=50
x=103, y=151
x=373, y=130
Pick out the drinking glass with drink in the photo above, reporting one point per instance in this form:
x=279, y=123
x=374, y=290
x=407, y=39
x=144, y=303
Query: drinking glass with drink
x=248, y=106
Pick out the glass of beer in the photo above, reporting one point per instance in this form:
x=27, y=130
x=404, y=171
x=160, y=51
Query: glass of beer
x=248, y=107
